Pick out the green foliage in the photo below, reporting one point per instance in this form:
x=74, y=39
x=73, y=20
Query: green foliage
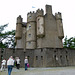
x=2, y=27
x=2, y=45
x=69, y=43
x=6, y=38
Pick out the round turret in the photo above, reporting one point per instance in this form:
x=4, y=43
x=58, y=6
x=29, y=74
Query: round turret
x=18, y=34
x=31, y=32
x=39, y=12
x=19, y=19
x=31, y=16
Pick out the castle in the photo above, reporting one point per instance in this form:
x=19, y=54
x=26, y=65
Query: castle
x=40, y=39
x=40, y=31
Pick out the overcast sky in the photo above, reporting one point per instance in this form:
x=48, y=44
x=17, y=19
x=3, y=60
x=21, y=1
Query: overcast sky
x=11, y=9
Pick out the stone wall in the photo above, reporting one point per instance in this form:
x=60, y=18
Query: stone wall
x=46, y=57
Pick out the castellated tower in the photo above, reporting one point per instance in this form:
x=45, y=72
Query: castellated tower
x=52, y=37
x=31, y=31
x=20, y=35
x=40, y=31
x=40, y=27
x=19, y=28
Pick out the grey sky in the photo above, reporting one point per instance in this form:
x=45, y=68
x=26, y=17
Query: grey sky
x=11, y=9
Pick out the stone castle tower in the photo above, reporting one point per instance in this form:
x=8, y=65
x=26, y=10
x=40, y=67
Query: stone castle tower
x=40, y=39
x=40, y=31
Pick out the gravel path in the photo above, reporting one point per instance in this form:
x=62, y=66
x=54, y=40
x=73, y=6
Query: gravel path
x=43, y=71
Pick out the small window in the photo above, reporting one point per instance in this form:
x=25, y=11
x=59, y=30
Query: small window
x=29, y=26
x=41, y=50
x=29, y=17
x=38, y=19
x=55, y=51
x=1, y=51
x=66, y=52
x=66, y=56
x=41, y=57
x=55, y=56
x=1, y=57
x=60, y=56
x=36, y=57
x=29, y=35
x=29, y=42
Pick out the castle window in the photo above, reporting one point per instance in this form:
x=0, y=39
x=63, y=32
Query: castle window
x=29, y=42
x=1, y=57
x=66, y=56
x=66, y=52
x=36, y=57
x=60, y=56
x=41, y=50
x=55, y=51
x=38, y=19
x=1, y=51
x=29, y=35
x=29, y=26
x=55, y=57
x=29, y=17
x=41, y=57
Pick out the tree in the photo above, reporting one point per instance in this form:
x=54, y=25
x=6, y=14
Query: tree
x=65, y=42
x=69, y=43
x=6, y=38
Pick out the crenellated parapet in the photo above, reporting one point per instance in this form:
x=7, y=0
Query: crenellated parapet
x=39, y=12
x=19, y=19
x=31, y=16
x=40, y=30
x=58, y=16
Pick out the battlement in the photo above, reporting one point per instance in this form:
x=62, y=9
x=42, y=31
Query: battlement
x=40, y=30
x=31, y=16
x=39, y=12
x=58, y=15
x=31, y=12
x=19, y=19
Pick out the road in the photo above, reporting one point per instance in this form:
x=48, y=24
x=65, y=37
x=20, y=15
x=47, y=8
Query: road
x=42, y=71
